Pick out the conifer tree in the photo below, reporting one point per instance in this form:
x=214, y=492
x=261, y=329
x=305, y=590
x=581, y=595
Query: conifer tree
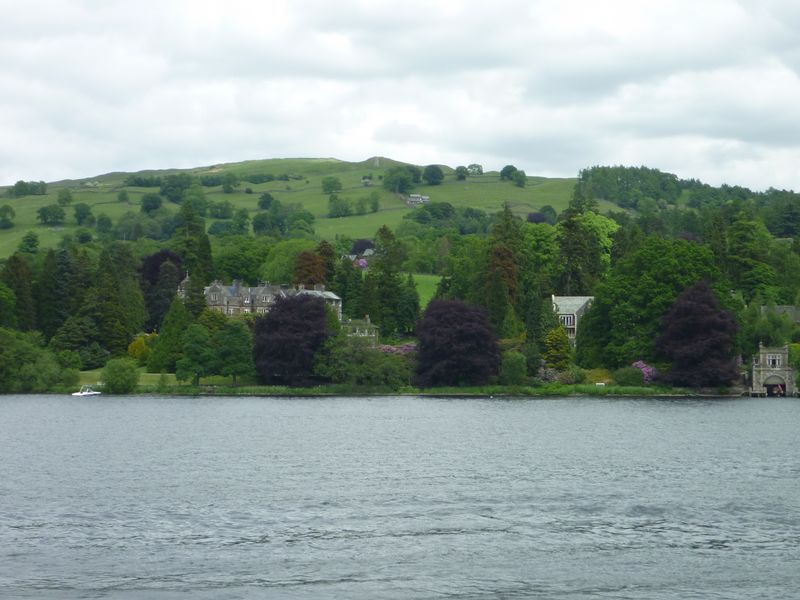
x=167, y=349
x=557, y=352
x=16, y=274
x=52, y=304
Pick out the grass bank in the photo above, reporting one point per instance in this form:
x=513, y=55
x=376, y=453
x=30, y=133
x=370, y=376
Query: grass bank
x=154, y=383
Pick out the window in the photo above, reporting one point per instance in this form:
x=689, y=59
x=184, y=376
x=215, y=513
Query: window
x=213, y=297
x=567, y=320
x=774, y=360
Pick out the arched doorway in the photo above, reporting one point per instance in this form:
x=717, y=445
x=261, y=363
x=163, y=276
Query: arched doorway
x=775, y=385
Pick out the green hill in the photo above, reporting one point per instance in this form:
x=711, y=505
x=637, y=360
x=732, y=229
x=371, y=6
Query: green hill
x=300, y=182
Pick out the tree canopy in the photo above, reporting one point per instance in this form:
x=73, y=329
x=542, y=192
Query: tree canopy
x=287, y=339
x=699, y=340
x=457, y=345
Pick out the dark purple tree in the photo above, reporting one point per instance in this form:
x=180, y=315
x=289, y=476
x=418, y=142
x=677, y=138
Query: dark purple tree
x=698, y=338
x=287, y=338
x=537, y=217
x=360, y=245
x=457, y=345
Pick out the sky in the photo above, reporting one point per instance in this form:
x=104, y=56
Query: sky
x=705, y=90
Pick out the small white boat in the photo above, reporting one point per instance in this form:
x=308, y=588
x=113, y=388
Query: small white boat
x=86, y=390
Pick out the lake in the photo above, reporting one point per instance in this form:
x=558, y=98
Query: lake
x=370, y=498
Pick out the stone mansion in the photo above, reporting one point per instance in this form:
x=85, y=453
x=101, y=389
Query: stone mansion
x=235, y=299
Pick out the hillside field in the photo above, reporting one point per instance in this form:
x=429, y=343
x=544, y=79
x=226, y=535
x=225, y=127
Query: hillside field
x=486, y=192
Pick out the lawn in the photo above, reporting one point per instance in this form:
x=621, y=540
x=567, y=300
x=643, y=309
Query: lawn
x=426, y=287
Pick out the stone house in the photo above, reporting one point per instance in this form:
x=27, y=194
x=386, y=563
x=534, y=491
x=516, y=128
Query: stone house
x=570, y=310
x=235, y=299
x=361, y=328
x=772, y=374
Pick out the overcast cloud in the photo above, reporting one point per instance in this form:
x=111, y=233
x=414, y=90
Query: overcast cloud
x=702, y=89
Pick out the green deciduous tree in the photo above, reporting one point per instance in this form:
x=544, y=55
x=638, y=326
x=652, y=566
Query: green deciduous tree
x=331, y=185
x=120, y=376
x=461, y=173
x=52, y=214
x=199, y=356
x=398, y=180
x=83, y=214
x=234, y=344
x=507, y=172
x=513, y=368
x=150, y=203
x=26, y=366
x=7, y=215
x=433, y=175
x=625, y=318
x=64, y=197
x=339, y=207
x=353, y=361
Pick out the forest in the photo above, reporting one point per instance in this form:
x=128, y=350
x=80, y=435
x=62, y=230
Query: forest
x=687, y=280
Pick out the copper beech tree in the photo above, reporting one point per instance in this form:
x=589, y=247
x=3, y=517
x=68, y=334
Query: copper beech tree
x=699, y=339
x=457, y=345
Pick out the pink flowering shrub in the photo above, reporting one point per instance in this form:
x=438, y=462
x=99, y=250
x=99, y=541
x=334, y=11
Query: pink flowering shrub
x=402, y=349
x=648, y=372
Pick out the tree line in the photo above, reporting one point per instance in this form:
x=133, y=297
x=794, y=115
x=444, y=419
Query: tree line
x=94, y=296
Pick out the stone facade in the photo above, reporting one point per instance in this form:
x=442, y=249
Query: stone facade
x=361, y=328
x=235, y=299
x=772, y=374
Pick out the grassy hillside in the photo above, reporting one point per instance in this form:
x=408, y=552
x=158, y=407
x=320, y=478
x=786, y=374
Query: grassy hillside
x=485, y=192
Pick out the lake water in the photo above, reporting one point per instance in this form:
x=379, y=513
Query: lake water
x=360, y=498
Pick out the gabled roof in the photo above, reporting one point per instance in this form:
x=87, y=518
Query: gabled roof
x=567, y=305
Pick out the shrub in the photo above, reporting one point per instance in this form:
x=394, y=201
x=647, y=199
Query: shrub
x=572, y=375
x=597, y=376
x=629, y=376
x=513, y=368
x=120, y=376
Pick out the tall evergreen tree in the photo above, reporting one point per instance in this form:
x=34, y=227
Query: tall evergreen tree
x=385, y=275
x=52, y=304
x=557, y=352
x=8, y=307
x=191, y=242
x=167, y=348
x=162, y=294
x=16, y=274
x=408, y=310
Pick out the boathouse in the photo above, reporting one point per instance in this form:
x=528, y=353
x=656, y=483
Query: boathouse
x=772, y=373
